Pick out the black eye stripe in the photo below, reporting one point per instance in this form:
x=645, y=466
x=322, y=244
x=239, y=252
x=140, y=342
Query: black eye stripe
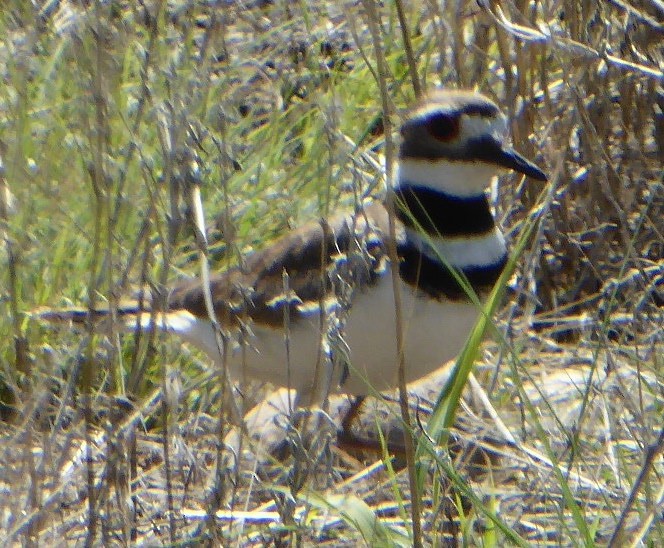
x=443, y=126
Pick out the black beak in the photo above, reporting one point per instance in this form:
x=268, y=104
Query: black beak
x=490, y=150
x=512, y=159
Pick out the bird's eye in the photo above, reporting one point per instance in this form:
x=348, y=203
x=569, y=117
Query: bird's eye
x=442, y=126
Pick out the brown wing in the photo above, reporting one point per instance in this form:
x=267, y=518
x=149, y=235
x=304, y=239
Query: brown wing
x=318, y=258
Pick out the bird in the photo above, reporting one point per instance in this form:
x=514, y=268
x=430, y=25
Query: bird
x=324, y=292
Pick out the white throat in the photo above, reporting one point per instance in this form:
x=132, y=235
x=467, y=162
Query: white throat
x=461, y=178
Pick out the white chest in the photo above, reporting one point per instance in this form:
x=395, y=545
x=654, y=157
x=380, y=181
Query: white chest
x=433, y=333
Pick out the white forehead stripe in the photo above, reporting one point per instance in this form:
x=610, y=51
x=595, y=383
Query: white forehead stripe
x=474, y=126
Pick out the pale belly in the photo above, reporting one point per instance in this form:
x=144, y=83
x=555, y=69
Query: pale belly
x=434, y=332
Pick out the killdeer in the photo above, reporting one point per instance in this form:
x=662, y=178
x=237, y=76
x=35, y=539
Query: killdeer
x=283, y=309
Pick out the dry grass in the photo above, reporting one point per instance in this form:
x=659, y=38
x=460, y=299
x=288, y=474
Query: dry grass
x=112, y=112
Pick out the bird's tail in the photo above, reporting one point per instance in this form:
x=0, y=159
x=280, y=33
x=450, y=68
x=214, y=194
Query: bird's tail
x=128, y=313
x=133, y=315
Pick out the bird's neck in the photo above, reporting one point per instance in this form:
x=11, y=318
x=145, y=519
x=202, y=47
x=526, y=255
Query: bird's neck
x=448, y=225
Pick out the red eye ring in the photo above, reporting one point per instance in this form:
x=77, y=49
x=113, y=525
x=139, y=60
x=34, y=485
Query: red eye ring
x=443, y=127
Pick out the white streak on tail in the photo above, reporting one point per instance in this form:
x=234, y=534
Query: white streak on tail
x=196, y=331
